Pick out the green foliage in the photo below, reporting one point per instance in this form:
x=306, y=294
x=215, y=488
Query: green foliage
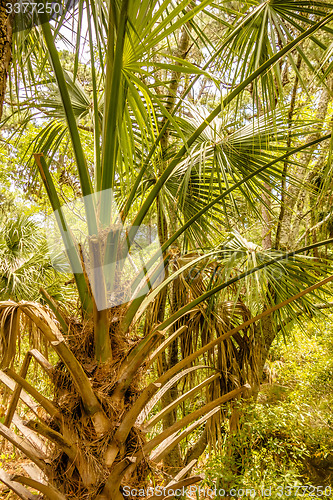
x=267, y=451
x=285, y=439
x=25, y=262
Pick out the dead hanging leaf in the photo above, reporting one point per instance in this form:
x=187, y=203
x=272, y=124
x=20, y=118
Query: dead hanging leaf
x=14, y=325
x=9, y=332
x=2, y=411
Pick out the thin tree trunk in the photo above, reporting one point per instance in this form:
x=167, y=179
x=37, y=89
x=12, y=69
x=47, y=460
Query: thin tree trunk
x=296, y=193
x=173, y=461
x=285, y=166
x=267, y=222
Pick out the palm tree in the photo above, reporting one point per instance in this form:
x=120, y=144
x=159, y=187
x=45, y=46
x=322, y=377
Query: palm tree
x=98, y=421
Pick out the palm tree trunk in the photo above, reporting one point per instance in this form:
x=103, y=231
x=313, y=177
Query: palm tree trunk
x=6, y=27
